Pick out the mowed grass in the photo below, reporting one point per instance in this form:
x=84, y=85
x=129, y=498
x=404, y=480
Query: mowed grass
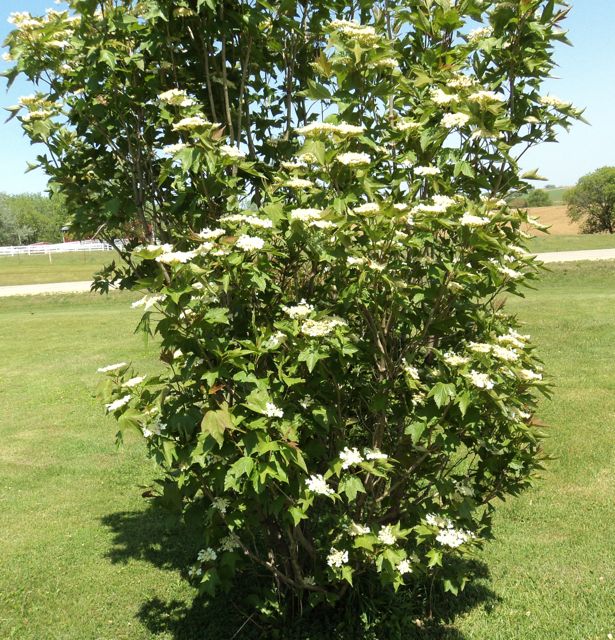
x=542, y=243
x=84, y=558
x=64, y=267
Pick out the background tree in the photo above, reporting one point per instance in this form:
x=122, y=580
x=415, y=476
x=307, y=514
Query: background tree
x=312, y=201
x=538, y=198
x=32, y=217
x=592, y=201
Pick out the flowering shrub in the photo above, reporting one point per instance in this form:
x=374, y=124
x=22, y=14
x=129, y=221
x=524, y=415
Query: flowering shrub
x=343, y=398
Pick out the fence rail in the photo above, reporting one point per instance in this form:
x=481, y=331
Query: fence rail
x=63, y=247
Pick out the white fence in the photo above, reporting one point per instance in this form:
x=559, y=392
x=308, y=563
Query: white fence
x=63, y=247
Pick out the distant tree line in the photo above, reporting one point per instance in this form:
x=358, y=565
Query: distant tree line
x=592, y=201
x=30, y=217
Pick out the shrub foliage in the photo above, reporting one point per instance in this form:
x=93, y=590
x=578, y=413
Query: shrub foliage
x=311, y=199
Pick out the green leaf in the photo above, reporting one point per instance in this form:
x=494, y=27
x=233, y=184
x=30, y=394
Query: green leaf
x=351, y=485
x=442, y=393
x=215, y=423
x=415, y=430
x=241, y=467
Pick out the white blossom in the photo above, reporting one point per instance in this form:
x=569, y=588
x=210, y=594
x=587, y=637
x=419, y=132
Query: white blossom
x=337, y=558
x=470, y=220
x=352, y=159
x=300, y=310
x=406, y=125
x=363, y=34
x=375, y=454
x=552, y=101
x=508, y=355
x=211, y=234
x=317, y=484
x=368, y=207
x=455, y=360
x=460, y=81
x=442, y=98
x=529, y=375
x=274, y=341
x=411, y=372
x=481, y=380
x=452, y=120
x=192, y=122
x=207, y=555
x=426, y=171
x=232, y=152
x=116, y=404
x=175, y=257
x=176, y=97
x=249, y=243
x=386, y=535
x=484, y=97
x=172, y=149
x=451, y=537
x=318, y=328
x=133, y=382
x=273, y=411
x=480, y=34
x=321, y=128
x=350, y=457
x=147, y=302
x=298, y=183
x=254, y=221
x=111, y=367
x=404, y=567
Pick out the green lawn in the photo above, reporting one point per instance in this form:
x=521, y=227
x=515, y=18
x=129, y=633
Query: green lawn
x=64, y=267
x=83, y=557
x=541, y=244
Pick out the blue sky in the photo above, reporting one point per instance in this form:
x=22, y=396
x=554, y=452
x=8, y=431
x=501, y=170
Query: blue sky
x=586, y=76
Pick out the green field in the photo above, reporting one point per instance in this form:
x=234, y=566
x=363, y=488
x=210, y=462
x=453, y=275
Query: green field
x=64, y=267
x=84, y=558
x=540, y=244
x=557, y=195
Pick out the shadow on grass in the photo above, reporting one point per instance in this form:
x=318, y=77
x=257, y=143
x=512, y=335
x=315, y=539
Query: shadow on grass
x=151, y=537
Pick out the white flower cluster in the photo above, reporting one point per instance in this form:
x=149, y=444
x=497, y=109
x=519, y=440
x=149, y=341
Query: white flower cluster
x=476, y=35
x=207, y=555
x=306, y=215
x=275, y=340
x=175, y=257
x=254, y=221
x=298, y=183
x=470, y=220
x=351, y=159
x=300, y=310
x=404, y=567
x=552, y=101
x=513, y=338
x=448, y=535
x=147, y=302
x=440, y=205
x=317, y=484
x=232, y=152
x=133, y=382
x=350, y=457
x=363, y=34
x=337, y=558
x=173, y=149
x=460, y=81
x=442, y=98
x=485, y=97
x=358, y=530
x=481, y=380
x=211, y=234
x=385, y=63
x=249, y=243
x=318, y=328
x=176, y=97
x=273, y=411
x=411, y=372
x=190, y=123
x=427, y=171
x=530, y=376
x=375, y=454
x=368, y=207
x=325, y=128
x=117, y=404
x=112, y=367
x=386, y=535
x=452, y=120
